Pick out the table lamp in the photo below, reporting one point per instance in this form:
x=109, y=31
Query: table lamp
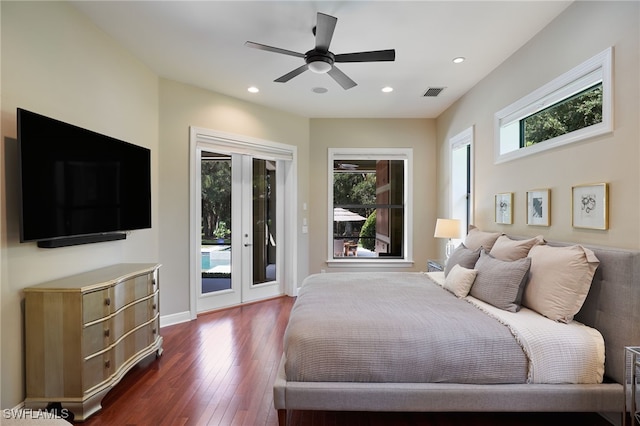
x=448, y=228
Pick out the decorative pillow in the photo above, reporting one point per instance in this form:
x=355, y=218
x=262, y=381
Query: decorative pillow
x=460, y=280
x=462, y=256
x=500, y=283
x=559, y=280
x=477, y=238
x=507, y=249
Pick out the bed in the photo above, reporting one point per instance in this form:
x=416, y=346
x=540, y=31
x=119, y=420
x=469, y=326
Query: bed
x=333, y=375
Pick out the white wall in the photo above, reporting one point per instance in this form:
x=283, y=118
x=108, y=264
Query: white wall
x=581, y=31
x=58, y=64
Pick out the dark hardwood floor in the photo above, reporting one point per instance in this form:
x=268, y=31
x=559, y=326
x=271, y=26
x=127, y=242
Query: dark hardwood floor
x=219, y=370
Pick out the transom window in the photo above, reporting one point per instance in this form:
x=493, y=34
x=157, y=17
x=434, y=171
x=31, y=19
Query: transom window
x=575, y=106
x=369, y=216
x=581, y=110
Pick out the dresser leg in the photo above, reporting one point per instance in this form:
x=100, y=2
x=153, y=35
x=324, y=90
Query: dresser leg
x=57, y=409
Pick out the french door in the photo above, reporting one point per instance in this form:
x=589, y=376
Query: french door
x=239, y=210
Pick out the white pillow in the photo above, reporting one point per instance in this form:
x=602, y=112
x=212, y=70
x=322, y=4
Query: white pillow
x=459, y=280
x=507, y=249
x=476, y=238
x=559, y=280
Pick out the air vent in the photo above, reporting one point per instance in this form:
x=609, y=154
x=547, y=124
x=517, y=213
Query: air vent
x=432, y=92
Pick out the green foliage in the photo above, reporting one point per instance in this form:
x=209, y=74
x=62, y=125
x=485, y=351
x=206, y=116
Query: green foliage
x=355, y=188
x=216, y=198
x=581, y=110
x=221, y=230
x=369, y=231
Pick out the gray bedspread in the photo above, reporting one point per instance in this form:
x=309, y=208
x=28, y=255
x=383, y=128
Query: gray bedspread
x=395, y=327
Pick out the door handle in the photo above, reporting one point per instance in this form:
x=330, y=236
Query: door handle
x=247, y=244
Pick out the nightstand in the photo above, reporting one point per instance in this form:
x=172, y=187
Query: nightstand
x=632, y=357
x=435, y=265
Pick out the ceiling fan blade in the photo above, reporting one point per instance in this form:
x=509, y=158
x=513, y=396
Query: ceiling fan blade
x=374, y=56
x=341, y=78
x=288, y=76
x=273, y=49
x=324, y=31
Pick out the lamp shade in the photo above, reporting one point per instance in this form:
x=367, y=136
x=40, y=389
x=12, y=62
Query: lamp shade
x=447, y=228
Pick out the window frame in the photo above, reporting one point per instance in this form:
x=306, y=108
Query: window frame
x=404, y=154
x=597, y=69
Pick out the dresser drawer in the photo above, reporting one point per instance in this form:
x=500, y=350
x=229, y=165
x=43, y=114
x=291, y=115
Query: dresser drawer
x=133, y=343
x=95, y=305
x=97, y=369
x=130, y=290
x=155, y=303
x=131, y=317
x=96, y=337
x=155, y=329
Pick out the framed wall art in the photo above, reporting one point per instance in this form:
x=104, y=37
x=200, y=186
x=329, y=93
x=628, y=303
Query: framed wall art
x=590, y=206
x=504, y=208
x=539, y=207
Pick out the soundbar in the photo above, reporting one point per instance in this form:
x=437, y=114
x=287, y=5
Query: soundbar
x=81, y=239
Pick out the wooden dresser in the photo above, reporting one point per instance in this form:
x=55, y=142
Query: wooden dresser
x=84, y=332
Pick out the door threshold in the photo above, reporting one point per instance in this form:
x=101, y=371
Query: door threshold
x=224, y=308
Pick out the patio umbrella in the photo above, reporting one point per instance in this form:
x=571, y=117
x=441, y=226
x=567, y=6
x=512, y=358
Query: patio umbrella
x=344, y=215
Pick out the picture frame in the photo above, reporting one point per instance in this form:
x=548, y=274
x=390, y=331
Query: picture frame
x=539, y=207
x=590, y=206
x=504, y=208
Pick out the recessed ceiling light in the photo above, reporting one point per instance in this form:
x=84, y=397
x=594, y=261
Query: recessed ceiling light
x=253, y=89
x=458, y=60
x=319, y=90
x=387, y=89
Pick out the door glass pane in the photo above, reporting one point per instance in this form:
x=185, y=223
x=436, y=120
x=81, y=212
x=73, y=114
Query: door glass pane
x=264, y=221
x=216, y=222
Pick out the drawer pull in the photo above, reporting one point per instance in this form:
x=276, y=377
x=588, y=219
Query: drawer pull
x=106, y=333
x=153, y=330
x=107, y=301
x=107, y=364
x=154, y=306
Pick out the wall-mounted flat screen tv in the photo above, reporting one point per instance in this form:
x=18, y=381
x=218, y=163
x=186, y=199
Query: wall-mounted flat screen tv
x=78, y=186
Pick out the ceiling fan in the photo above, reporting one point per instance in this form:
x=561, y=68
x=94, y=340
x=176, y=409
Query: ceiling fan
x=320, y=60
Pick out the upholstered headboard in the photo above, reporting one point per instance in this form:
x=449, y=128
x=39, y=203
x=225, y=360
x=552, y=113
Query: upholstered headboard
x=613, y=303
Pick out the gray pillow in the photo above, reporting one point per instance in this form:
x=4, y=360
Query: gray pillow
x=462, y=256
x=499, y=282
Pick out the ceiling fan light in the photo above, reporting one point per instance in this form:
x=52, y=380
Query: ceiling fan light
x=319, y=67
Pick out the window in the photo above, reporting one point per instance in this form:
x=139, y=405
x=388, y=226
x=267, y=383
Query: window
x=369, y=218
x=462, y=180
x=571, y=108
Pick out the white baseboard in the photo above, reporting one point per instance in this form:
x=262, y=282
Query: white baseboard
x=172, y=319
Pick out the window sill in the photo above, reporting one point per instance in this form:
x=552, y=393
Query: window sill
x=368, y=263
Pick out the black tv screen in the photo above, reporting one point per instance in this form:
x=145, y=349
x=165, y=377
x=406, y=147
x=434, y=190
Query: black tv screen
x=79, y=183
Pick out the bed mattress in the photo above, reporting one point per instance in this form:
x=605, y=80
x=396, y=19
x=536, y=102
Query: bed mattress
x=395, y=327
x=405, y=328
